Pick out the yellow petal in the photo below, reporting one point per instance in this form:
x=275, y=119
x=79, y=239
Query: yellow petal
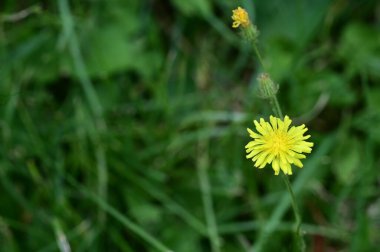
x=276, y=166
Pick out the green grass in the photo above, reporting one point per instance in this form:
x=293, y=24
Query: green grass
x=123, y=125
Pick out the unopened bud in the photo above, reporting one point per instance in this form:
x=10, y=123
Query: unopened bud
x=268, y=88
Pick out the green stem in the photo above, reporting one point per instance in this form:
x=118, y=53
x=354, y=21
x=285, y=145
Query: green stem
x=276, y=107
x=273, y=100
x=298, y=233
x=277, y=111
x=254, y=44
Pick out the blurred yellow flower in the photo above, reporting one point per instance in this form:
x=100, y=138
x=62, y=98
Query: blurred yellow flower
x=240, y=17
x=277, y=144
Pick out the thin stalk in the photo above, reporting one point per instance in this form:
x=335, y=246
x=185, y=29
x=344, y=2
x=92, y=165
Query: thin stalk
x=277, y=111
x=299, y=237
x=273, y=100
x=254, y=44
x=276, y=107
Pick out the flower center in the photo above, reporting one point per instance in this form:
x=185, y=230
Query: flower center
x=277, y=143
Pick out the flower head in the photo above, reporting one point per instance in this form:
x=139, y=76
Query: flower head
x=277, y=144
x=240, y=17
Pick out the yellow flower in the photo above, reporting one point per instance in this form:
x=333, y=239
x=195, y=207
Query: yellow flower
x=240, y=17
x=277, y=144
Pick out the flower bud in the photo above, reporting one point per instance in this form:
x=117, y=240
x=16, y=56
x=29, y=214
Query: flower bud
x=240, y=18
x=267, y=87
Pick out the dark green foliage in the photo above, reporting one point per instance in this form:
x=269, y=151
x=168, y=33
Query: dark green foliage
x=111, y=110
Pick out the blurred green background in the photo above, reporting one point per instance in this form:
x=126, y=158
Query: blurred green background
x=123, y=125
